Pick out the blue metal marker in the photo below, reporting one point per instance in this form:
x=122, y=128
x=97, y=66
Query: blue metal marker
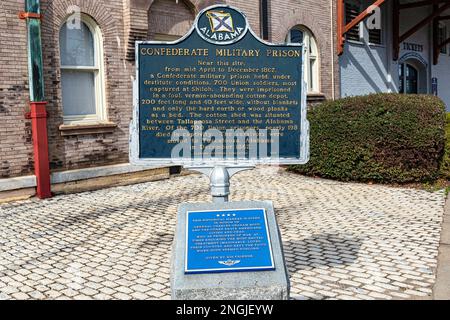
x=228, y=241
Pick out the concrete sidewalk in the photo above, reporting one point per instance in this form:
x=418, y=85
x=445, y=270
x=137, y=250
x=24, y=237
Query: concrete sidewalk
x=441, y=290
x=341, y=240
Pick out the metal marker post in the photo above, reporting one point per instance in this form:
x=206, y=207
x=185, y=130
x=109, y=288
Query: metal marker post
x=219, y=177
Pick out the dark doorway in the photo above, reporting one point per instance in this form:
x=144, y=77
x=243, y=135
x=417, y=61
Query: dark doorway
x=409, y=78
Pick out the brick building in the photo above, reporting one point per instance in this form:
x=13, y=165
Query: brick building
x=89, y=90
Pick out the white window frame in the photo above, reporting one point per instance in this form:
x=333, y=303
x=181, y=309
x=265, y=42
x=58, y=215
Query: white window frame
x=99, y=78
x=312, y=53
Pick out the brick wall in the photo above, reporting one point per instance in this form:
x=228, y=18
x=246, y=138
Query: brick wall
x=316, y=16
x=121, y=22
x=162, y=20
x=16, y=150
x=251, y=10
x=81, y=151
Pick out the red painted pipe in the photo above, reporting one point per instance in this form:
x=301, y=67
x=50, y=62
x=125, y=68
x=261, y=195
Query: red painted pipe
x=38, y=117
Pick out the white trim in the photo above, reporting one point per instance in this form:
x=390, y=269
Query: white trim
x=356, y=42
x=17, y=183
x=312, y=55
x=82, y=119
x=80, y=68
x=376, y=45
x=97, y=172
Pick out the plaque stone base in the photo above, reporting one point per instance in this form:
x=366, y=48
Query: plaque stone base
x=228, y=285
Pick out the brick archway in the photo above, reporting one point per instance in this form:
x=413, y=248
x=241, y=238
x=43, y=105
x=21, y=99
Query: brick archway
x=163, y=22
x=136, y=21
x=307, y=19
x=60, y=11
x=303, y=18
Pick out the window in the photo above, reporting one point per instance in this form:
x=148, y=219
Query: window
x=361, y=31
x=442, y=36
x=82, y=78
x=300, y=34
x=352, y=10
x=375, y=36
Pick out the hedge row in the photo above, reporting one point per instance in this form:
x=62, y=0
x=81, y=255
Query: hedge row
x=386, y=138
x=445, y=166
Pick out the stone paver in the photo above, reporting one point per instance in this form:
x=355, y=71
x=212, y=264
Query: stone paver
x=342, y=240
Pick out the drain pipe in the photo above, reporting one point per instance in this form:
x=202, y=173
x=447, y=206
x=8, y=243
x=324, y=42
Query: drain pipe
x=38, y=113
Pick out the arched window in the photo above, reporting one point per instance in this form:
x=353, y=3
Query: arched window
x=300, y=34
x=81, y=53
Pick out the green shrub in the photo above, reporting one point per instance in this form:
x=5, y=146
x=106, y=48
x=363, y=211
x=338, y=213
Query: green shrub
x=380, y=137
x=445, y=167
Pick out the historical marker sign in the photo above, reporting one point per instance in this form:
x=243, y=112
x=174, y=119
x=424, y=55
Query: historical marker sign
x=217, y=80
x=230, y=250
x=228, y=240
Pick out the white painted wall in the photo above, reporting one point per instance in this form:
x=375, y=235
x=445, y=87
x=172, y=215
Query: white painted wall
x=364, y=70
x=442, y=72
x=368, y=69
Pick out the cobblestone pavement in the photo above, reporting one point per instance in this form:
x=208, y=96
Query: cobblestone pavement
x=342, y=240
